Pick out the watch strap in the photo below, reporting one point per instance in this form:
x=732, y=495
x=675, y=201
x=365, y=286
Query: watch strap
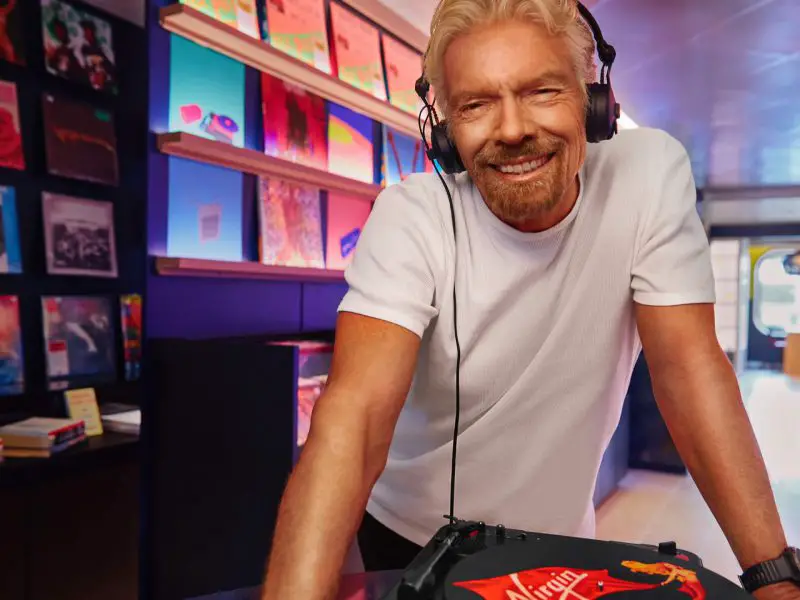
x=777, y=570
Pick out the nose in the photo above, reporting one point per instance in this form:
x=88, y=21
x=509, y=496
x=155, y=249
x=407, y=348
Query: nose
x=513, y=127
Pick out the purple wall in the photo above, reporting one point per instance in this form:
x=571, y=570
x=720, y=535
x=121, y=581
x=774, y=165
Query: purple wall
x=206, y=307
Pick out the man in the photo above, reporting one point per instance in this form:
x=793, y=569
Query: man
x=564, y=256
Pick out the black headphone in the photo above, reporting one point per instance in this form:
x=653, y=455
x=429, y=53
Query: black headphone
x=601, y=114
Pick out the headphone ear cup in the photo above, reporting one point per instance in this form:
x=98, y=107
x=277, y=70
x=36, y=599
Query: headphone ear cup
x=602, y=113
x=444, y=151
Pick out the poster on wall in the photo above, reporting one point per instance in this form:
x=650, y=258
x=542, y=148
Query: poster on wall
x=10, y=251
x=79, y=338
x=12, y=48
x=351, y=148
x=298, y=28
x=130, y=306
x=294, y=123
x=78, y=46
x=357, y=51
x=403, y=66
x=206, y=93
x=290, y=225
x=79, y=236
x=11, y=152
x=402, y=155
x=204, y=214
x=239, y=14
x=346, y=218
x=12, y=369
x=80, y=141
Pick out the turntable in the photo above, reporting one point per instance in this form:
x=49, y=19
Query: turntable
x=469, y=560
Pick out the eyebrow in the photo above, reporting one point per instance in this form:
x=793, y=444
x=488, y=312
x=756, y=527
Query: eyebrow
x=545, y=78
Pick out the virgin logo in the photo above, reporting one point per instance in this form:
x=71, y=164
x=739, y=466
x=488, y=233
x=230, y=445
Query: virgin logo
x=564, y=584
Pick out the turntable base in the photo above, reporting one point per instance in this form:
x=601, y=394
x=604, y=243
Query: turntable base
x=472, y=561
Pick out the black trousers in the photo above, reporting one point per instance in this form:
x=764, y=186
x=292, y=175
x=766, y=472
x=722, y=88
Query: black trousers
x=382, y=549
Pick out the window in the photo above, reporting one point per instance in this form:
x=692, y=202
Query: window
x=776, y=296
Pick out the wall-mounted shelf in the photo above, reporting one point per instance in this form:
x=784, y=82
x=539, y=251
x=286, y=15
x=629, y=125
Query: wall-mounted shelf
x=207, y=31
x=195, y=267
x=193, y=147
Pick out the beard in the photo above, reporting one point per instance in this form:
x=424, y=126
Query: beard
x=515, y=202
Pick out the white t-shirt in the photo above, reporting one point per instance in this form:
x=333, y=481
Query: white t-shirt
x=547, y=331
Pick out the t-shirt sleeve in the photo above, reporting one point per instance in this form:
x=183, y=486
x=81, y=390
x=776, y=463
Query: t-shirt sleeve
x=672, y=262
x=392, y=275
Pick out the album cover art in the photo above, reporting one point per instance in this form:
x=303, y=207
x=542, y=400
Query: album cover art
x=11, y=153
x=402, y=155
x=351, y=148
x=78, y=46
x=346, y=219
x=78, y=335
x=403, y=66
x=290, y=225
x=80, y=141
x=294, y=123
x=206, y=93
x=239, y=14
x=79, y=236
x=10, y=251
x=11, y=43
x=298, y=28
x=204, y=216
x=131, y=316
x=357, y=51
x=12, y=371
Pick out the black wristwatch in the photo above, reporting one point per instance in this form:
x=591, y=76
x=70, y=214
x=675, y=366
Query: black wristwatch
x=784, y=568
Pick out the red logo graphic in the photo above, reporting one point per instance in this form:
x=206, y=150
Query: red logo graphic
x=558, y=583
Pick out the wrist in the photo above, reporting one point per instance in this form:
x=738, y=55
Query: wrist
x=778, y=591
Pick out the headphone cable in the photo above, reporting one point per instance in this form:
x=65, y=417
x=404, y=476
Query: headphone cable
x=451, y=514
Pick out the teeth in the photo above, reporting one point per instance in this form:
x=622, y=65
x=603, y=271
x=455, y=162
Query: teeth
x=524, y=167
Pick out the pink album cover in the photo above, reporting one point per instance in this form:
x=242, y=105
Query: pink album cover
x=11, y=154
x=294, y=123
x=239, y=14
x=351, y=148
x=290, y=225
x=298, y=28
x=403, y=67
x=357, y=52
x=346, y=218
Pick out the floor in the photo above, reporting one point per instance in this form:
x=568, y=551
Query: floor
x=653, y=507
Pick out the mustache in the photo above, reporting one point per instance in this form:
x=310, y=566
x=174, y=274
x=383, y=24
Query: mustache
x=500, y=153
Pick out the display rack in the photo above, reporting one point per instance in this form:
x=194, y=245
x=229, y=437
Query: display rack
x=193, y=147
x=206, y=31
x=197, y=267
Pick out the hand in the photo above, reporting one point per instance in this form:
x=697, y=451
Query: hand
x=779, y=591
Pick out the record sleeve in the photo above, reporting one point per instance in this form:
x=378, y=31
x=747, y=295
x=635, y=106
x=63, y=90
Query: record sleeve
x=10, y=250
x=346, y=219
x=79, y=236
x=78, y=46
x=299, y=28
x=357, y=51
x=80, y=141
x=351, y=147
x=12, y=371
x=11, y=149
x=79, y=337
x=12, y=48
x=403, y=66
x=290, y=225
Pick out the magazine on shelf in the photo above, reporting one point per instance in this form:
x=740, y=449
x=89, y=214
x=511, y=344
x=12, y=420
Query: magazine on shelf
x=12, y=155
x=12, y=47
x=10, y=250
x=12, y=368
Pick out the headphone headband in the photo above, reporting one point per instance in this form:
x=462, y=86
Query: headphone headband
x=601, y=114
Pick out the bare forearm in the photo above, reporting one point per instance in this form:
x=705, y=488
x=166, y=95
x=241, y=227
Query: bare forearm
x=319, y=514
x=707, y=420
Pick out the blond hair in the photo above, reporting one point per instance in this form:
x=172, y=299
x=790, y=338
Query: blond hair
x=455, y=17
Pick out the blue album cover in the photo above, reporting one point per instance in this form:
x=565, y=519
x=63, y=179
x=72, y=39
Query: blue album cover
x=204, y=217
x=10, y=253
x=402, y=155
x=206, y=93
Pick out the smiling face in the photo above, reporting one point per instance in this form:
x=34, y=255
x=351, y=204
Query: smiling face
x=517, y=115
